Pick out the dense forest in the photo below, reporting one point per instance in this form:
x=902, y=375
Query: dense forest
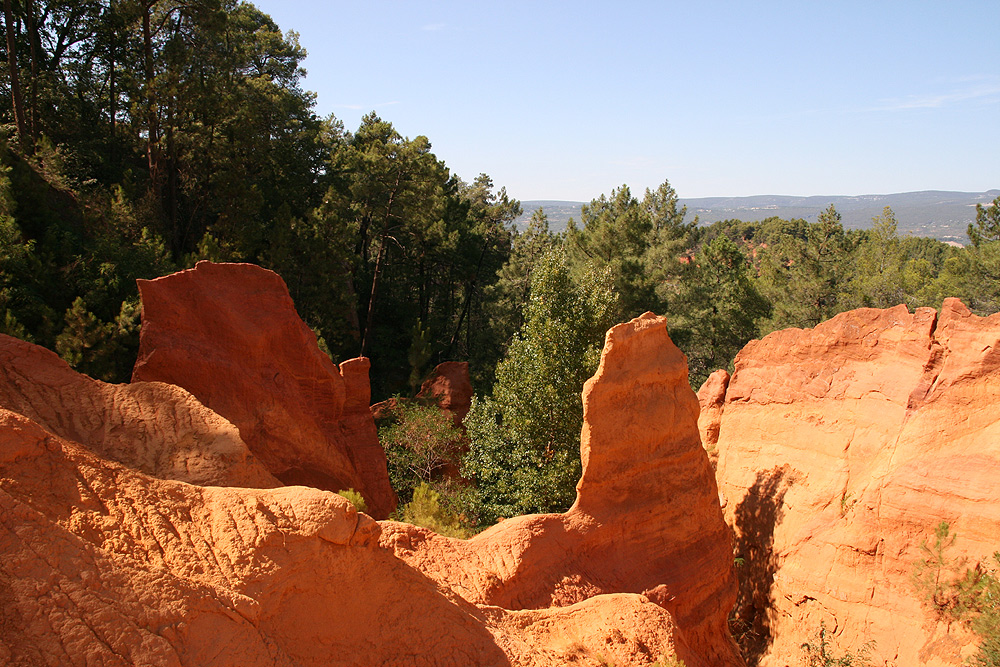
x=140, y=136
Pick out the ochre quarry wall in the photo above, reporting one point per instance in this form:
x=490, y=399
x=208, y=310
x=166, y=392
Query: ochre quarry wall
x=841, y=448
x=229, y=334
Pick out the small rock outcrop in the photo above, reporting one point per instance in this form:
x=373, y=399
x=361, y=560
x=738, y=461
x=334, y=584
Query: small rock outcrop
x=841, y=449
x=712, y=398
x=229, y=334
x=646, y=519
x=450, y=387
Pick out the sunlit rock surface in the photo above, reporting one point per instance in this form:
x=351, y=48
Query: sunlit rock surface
x=841, y=448
x=646, y=520
x=229, y=334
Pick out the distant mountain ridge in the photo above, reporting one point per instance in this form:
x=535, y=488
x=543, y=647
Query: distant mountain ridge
x=940, y=214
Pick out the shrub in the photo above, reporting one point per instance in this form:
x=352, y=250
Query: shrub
x=972, y=597
x=420, y=442
x=356, y=499
x=819, y=652
x=426, y=510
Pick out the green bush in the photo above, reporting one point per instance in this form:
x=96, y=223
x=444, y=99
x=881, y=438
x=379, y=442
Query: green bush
x=421, y=441
x=819, y=652
x=356, y=499
x=427, y=510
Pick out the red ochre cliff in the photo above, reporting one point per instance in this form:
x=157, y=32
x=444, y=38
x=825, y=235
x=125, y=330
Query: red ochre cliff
x=841, y=448
x=646, y=519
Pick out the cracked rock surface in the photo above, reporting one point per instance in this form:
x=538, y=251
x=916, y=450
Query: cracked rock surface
x=841, y=448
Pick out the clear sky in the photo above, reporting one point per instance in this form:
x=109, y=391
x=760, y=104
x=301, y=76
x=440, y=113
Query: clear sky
x=568, y=100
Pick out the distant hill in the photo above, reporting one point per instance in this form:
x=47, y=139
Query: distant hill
x=939, y=214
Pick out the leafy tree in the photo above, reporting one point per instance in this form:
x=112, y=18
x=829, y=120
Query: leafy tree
x=421, y=442
x=524, y=438
x=717, y=310
x=987, y=225
x=639, y=243
x=671, y=239
x=877, y=279
x=504, y=300
x=801, y=270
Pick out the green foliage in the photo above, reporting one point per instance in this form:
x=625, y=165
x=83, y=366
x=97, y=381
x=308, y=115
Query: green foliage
x=935, y=573
x=801, y=269
x=979, y=594
x=421, y=441
x=819, y=652
x=717, y=309
x=638, y=243
x=428, y=510
x=509, y=295
x=356, y=499
x=955, y=592
x=418, y=356
x=877, y=280
x=524, y=438
x=987, y=225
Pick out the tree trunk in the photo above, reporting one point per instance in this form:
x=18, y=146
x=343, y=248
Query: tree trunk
x=35, y=49
x=366, y=336
x=15, y=82
x=468, y=298
x=152, y=122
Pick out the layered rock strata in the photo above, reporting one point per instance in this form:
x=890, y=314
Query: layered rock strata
x=841, y=449
x=229, y=334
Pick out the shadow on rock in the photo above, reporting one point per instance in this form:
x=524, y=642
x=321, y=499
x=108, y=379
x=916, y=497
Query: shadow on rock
x=756, y=518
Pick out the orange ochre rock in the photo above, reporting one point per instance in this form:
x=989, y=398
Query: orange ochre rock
x=841, y=449
x=450, y=386
x=103, y=563
x=229, y=334
x=157, y=428
x=646, y=519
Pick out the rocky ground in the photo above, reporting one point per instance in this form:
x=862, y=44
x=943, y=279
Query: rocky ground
x=188, y=518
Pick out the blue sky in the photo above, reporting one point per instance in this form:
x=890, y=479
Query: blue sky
x=568, y=100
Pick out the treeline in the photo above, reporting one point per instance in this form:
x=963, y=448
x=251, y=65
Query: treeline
x=140, y=136
x=719, y=285
x=143, y=135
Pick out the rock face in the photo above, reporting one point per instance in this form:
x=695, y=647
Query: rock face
x=841, y=448
x=646, y=519
x=229, y=334
x=712, y=398
x=159, y=429
x=101, y=563
x=449, y=385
